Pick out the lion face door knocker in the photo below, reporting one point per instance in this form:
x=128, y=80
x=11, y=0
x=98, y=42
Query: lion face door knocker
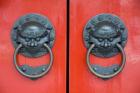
x=105, y=35
x=33, y=36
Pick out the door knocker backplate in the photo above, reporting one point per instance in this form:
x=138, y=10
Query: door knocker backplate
x=33, y=36
x=105, y=35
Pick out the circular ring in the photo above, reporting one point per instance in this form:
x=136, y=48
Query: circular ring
x=33, y=76
x=110, y=75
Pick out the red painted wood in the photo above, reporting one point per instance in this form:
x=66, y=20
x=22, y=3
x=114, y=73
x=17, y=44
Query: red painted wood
x=10, y=80
x=81, y=79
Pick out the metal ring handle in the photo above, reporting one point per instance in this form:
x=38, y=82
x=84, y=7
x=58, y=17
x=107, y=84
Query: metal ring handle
x=110, y=75
x=33, y=76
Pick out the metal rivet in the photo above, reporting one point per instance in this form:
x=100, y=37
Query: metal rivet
x=115, y=69
x=43, y=69
x=23, y=69
x=19, y=28
x=95, y=69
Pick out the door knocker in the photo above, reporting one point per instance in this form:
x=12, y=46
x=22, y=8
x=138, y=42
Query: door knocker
x=105, y=35
x=33, y=36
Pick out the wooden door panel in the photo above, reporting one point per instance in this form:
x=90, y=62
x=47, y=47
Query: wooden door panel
x=81, y=79
x=13, y=82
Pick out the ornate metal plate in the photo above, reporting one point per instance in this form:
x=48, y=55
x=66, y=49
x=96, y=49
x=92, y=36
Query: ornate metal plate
x=32, y=31
x=105, y=70
x=105, y=31
x=33, y=70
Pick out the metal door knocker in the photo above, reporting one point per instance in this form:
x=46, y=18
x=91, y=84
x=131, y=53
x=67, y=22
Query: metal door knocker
x=105, y=35
x=33, y=36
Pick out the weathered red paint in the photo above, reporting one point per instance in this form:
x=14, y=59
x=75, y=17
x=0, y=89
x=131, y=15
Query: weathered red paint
x=81, y=79
x=10, y=80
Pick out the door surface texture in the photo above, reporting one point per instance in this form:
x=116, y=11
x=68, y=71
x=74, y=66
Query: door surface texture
x=69, y=46
x=11, y=80
x=82, y=80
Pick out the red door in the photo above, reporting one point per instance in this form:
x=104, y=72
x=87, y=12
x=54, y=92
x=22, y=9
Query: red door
x=11, y=80
x=82, y=80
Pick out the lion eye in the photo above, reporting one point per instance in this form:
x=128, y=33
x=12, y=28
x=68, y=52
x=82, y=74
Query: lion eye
x=27, y=39
x=100, y=39
x=110, y=39
x=38, y=39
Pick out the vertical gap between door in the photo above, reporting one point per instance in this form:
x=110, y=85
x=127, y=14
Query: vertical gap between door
x=68, y=39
